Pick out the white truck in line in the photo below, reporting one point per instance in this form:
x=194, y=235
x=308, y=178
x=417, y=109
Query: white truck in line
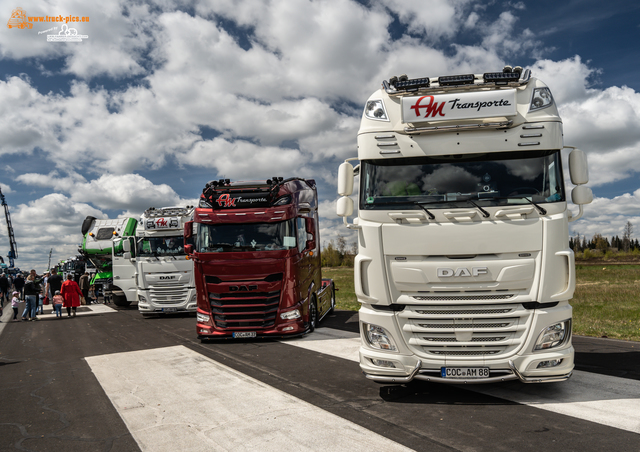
x=464, y=271
x=163, y=271
x=102, y=245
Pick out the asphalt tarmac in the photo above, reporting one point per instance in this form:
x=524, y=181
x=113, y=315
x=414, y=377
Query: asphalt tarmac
x=110, y=380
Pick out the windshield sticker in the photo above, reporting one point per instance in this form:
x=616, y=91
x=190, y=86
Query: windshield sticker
x=289, y=241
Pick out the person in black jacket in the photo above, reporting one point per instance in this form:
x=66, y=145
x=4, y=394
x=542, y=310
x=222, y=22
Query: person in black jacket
x=5, y=285
x=18, y=284
x=32, y=289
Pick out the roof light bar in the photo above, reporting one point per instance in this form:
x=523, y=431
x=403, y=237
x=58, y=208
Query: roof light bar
x=450, y=80
x=500, y=77
x=411, y=85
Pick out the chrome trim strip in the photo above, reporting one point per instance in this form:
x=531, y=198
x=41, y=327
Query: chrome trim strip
x=387, y=144
x=530, y=135
x=382, y=137
x=396, y=151
x=532, y=126
x=532, y=143
x=459, y=127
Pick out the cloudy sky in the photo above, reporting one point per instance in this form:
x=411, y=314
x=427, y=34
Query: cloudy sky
x=160, y=97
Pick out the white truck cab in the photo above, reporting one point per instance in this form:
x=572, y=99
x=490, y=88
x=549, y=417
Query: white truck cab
x=164, y=272
x=464, y=271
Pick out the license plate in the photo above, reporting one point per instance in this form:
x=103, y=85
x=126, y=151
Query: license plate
x=169, y=309
x=242, y=334
x=464, y=372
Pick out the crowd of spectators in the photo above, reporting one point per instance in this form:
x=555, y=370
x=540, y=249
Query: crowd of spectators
x=36, y=291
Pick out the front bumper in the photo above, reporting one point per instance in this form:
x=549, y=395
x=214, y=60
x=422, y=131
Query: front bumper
x=514, y=375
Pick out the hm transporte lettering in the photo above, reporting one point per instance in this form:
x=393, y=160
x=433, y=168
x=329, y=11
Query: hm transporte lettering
x=433, y=108
x=227, y=201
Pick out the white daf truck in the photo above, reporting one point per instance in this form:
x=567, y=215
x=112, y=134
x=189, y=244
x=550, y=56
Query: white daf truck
x=164, y=273
x=464, y=271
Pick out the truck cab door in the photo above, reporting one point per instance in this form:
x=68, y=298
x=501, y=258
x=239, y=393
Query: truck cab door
x=124, y=266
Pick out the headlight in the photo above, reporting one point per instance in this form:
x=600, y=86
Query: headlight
x=541, y=98
x=378, y=337
x=202, y=318
x=554, y=335
x=290, y=315
x=204, y=203
x=375, y=110
x=141, y=299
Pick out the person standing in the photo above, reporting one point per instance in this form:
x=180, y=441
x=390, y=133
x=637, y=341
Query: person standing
x=4, y=289
x=57, y=302
x=84, y=286
x=18, y=284
x=71, y=293
x=54, y=283
x=31, y=290
x=15, y=302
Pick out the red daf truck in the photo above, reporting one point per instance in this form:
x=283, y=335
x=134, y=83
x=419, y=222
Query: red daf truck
x=256, y=258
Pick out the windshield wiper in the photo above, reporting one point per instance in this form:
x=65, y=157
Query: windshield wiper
x=419, y=204
x=484, y=212
x=541, y=209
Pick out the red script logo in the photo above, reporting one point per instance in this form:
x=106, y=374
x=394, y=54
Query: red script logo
x=226, y=201
x=432, y=107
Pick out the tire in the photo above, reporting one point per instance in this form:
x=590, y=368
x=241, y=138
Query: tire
x=120, y=300
x=313, y=314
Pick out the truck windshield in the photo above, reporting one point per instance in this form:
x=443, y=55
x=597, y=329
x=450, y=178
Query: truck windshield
x=487, y=179
x=218, y=238
x=160, y=246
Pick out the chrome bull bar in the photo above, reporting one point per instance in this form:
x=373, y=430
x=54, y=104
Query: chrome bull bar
x=515, y=375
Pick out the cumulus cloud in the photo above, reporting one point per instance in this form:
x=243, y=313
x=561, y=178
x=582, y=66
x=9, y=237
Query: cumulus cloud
x=51, y=222
x=249, y=90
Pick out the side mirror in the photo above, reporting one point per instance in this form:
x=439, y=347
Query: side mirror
x=581, y=195
x=578, y=167
x=344, y=208
x=126, y=247
x=310, y=226
x=345, y=179
x=188, y=229
x=188, y=249
x=126, y=255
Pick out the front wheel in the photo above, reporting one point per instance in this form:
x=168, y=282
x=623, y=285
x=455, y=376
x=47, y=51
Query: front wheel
x=120, y=300
x=313, y=314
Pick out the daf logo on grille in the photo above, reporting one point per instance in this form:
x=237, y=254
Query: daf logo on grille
x=168, y=277
x=449, y=272
x=243, y=288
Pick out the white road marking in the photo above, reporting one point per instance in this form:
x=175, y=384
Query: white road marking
x=593, y=397
x=174, y=395
x=97, y=308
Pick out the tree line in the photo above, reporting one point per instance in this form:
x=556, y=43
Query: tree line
x=599, y=244
x=337, y=253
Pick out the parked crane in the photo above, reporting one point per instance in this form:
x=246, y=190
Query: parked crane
x=13, y=251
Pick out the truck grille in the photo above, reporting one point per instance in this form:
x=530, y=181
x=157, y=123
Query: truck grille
x=465, y=331
x=253, y=310
x=169, y=294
